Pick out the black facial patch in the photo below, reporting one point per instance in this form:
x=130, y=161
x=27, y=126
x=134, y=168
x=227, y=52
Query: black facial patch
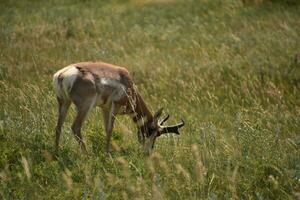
x=149, y=130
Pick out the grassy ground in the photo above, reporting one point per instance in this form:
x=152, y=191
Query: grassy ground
x=226, y=67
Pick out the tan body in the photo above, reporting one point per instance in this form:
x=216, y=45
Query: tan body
x=90, y=84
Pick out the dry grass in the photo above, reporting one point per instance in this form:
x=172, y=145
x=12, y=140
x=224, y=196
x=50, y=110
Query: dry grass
x=226, y=67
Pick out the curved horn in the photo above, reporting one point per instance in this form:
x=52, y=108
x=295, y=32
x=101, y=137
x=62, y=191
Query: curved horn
x=164, y=120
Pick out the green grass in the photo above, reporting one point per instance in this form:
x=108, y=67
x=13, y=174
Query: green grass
x=226, y=67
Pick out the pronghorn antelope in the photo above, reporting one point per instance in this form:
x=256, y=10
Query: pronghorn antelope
x=90, y=84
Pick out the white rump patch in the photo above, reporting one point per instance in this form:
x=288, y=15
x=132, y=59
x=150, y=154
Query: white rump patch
x=68, y=76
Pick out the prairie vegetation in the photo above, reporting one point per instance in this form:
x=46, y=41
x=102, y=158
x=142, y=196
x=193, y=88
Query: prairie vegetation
x=226, y=67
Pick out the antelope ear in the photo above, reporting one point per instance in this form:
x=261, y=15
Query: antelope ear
x=158, y=113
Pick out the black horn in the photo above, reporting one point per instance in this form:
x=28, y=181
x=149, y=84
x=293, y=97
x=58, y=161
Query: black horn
x=164, y=120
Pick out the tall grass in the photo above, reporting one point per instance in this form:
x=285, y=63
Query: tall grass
x=226, y=67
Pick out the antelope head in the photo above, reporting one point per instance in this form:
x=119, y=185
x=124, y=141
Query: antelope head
x=157, y=128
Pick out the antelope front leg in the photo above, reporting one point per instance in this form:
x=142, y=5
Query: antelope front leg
x=109, y=119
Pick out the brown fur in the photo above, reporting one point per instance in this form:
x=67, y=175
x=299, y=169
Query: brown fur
x=85, y=89
x=110, y=87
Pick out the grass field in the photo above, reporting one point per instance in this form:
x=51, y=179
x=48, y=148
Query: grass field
x=226, y=67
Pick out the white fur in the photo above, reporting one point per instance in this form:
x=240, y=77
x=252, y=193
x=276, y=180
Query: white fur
x=69, y=75
x=119, y=91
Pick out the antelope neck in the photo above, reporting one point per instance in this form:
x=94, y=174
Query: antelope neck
x=141, y=115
